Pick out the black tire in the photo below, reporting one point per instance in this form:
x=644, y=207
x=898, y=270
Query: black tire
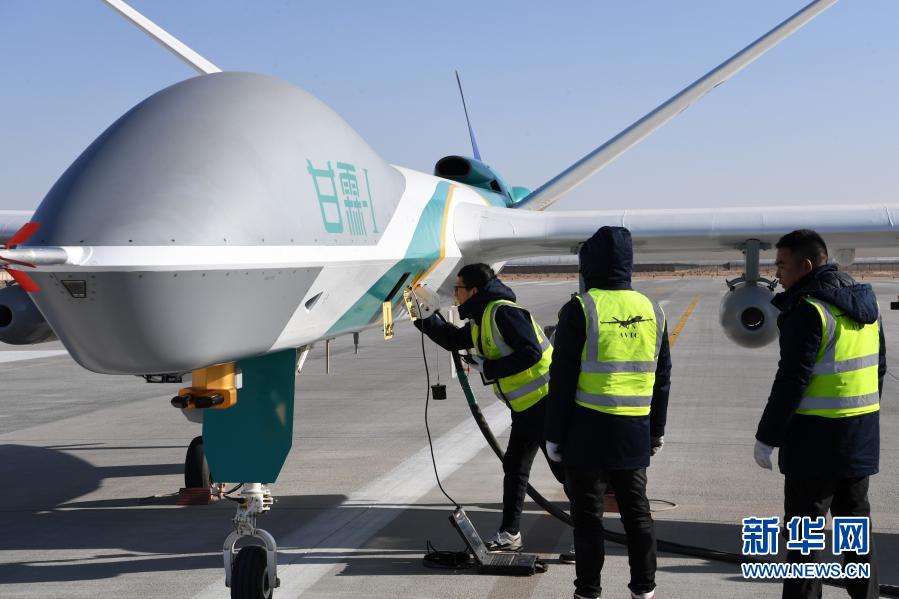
x=196, y=470
x=249, y=574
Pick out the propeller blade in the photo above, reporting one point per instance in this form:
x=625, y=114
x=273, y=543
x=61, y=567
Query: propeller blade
x=22, y=235
x=18, y=262
x=24, y=280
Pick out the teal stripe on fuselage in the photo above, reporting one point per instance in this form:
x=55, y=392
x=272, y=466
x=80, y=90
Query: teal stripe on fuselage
x=423, y=251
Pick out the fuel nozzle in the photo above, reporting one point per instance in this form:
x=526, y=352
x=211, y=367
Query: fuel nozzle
x=421, y=301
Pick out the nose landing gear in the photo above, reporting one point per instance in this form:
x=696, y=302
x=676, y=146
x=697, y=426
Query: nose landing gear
x=252, y=572
x=264, y=418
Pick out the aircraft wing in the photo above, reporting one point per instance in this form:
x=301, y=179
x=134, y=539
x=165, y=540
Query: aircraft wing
x=554, y=189
x=500, y=234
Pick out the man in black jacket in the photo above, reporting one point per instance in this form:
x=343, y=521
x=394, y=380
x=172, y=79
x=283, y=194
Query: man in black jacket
x=826, y=455
x=477, y=290
x=599, y=438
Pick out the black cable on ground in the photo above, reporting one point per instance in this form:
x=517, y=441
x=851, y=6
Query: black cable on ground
x=428, y=403
x=447, y=560
x=434, y=558
x=616, y=537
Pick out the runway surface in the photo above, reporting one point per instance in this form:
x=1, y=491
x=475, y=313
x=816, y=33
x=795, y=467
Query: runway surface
x=90, y=463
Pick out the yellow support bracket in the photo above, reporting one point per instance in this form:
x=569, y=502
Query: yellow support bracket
x=387, y=320
x=211, y=387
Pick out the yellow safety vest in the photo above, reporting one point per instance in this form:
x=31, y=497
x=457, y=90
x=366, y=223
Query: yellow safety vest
x=618, y=362
x=844, y=382
x=522, y=390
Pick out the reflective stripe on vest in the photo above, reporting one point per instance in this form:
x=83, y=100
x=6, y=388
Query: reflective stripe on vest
x=521, y=390
x=844, y=382
x=629, y=327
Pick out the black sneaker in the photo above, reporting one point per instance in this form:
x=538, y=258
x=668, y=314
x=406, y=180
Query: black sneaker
x=567, y=557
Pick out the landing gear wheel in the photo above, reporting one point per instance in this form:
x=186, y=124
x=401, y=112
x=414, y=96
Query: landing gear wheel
x=196, y=470
x=249, y=575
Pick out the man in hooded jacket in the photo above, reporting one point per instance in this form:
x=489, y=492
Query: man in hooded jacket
x=609, y=384
x=823, y=410
x=511, y=350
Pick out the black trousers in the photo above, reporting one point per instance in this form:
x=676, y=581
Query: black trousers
x=586, y=490
x=525, y=438
x=814, y=497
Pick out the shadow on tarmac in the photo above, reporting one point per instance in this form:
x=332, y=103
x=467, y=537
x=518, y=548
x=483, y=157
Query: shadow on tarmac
x=119, y=536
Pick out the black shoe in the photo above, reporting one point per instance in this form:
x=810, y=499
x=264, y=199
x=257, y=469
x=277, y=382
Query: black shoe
x=567, y=557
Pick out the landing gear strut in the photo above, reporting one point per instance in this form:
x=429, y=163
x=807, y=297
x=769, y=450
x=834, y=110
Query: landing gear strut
x=264, y=415
x=252, y=574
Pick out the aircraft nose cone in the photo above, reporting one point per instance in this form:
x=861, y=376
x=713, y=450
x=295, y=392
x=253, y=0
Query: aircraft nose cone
x=228, y=158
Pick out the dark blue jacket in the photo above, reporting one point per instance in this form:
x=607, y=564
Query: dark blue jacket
x=593, y=440
x=514, y=324
x=813, y=446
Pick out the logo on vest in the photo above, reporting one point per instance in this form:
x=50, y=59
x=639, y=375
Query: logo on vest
x=628, y=325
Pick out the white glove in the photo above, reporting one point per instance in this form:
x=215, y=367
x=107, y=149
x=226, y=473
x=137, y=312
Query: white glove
x=475, y=363
x=554, y=451
x=762, y=455
x=425, y=302
x=655, y=445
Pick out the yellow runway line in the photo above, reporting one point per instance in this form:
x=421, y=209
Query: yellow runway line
x=672, y=338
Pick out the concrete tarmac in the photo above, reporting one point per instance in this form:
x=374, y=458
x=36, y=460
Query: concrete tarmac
x=91, y=463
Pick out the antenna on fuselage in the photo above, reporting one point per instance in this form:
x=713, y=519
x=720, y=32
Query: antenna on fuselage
x=474, y=144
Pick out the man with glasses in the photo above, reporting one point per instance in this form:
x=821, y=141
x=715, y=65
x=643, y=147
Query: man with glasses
x=510, y=349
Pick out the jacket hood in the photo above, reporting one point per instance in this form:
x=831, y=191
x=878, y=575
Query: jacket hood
x=607, y=259
x=495, y=289
x=828, y=284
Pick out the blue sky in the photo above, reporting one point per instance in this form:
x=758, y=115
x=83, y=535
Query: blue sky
x=814, y=120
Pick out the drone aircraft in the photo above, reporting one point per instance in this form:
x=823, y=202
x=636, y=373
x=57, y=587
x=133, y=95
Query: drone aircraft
x=226, y=224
